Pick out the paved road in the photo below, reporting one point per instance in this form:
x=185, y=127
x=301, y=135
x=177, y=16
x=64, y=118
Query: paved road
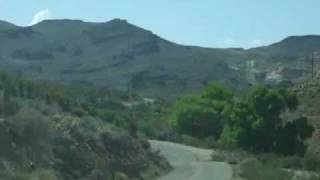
x=191, y=163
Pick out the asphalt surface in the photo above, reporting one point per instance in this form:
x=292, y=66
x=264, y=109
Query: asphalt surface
x=191, y=163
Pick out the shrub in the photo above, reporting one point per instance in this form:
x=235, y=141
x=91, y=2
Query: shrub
x=210, y=142
x=311, y=161
x=218, y=157
x=253, y=169
x=108, y=116
x=190, y=140
x=43, y=174
x=79, y=112
x=31, y=131
x=292, y=162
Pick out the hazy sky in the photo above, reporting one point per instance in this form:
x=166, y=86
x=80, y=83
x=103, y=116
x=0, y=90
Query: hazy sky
x=210, y=23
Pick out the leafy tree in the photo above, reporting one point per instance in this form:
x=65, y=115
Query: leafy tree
x=238, y=122
x=290, y=138
x=215, y=91
x=202, y=116
x=255, y=124
x=252, y=122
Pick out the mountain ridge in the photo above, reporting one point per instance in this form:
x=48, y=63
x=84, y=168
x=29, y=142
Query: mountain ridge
x=120, y=55
x=119, y=20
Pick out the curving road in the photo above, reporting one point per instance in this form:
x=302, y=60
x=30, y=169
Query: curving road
x=191, y=163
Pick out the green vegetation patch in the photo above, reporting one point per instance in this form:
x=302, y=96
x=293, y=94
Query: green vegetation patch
x=251, y=122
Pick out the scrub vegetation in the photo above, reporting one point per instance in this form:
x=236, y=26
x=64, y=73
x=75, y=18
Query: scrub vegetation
x=53, y=131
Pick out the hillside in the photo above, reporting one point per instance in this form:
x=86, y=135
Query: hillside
x=295, y=46
x=50, y=131
x=310, y=98
x=119, y=55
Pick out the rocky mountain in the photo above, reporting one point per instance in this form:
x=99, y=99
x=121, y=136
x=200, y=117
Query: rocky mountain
x=119, y=55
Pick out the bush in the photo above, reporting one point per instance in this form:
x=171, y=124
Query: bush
x=311, y=162
x=30, y=126
x=231, y=157
x=31, y=130
x=218, y=157
x=43, y=174
x=108, y=116
x=291, y=162
x=9, y=108
x=253, y=169
x=79, y=112
x=191, y=141
x=210, y=142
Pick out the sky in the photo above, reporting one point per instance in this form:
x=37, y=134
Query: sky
x=207, y=23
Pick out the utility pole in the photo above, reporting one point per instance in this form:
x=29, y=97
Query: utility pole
x=314, y=58
x=312, y=64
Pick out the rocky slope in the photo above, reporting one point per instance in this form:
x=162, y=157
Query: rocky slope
x=51, y=131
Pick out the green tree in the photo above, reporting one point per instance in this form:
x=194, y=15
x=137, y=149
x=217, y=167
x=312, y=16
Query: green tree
x=290, y=138
x=202, y=116
x=255, y=124
x=218, y=92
